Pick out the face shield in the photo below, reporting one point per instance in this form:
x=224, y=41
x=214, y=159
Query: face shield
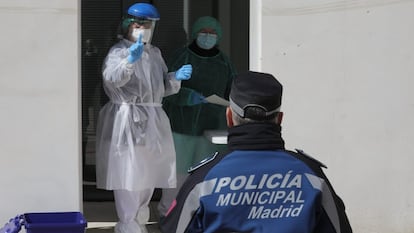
x=144, y=27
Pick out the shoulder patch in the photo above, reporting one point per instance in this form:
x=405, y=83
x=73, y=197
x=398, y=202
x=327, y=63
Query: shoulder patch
x=203, y=162
x=311, y=158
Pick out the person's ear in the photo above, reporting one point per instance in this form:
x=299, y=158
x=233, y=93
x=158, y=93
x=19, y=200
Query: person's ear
x=279, y=118
x=229, y=117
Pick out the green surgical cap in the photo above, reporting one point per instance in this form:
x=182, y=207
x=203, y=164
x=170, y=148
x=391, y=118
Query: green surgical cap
x=206, y=22
x=125, y=24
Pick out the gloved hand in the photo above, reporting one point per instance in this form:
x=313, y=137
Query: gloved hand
x=136, y=49
x=184, y=73
x=196, y=98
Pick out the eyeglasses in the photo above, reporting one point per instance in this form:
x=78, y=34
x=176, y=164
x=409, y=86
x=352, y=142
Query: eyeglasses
x=208, y=30
x=141, y=21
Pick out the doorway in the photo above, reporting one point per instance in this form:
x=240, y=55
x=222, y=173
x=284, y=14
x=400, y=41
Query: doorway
x=99, y=29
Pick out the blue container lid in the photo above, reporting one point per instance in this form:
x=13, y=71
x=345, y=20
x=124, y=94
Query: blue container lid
x=53, y=222
x=53, y=218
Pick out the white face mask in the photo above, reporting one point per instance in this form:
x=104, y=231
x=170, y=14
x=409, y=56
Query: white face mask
x=206, y=40
x=146, y=34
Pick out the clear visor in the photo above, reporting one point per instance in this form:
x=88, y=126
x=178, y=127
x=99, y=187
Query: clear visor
x=146, y=23
x=143, y=29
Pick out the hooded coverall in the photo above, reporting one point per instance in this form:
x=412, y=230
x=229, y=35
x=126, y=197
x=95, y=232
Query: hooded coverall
x=134, y=149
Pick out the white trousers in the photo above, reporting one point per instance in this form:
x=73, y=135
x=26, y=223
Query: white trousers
x=132, y=208
x=168, y=195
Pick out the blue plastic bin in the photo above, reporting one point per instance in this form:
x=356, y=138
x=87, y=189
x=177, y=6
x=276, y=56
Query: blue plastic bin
x=48, y=222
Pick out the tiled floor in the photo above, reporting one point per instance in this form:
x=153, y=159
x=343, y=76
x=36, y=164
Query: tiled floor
x=101, y=217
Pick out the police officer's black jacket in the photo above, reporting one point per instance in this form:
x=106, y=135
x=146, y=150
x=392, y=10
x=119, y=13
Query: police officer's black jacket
x=257, y=186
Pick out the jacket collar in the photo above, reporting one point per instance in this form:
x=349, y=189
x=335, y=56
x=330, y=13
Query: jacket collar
x=255, y=136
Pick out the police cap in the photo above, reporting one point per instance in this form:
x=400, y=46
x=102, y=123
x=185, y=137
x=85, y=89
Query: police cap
x=256, y=95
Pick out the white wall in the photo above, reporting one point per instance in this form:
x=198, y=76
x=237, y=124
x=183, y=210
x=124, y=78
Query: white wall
x=348, y=74
x=39, y=101
x=347, y=68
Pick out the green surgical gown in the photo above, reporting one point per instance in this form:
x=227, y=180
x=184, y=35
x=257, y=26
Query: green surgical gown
x=211, y=75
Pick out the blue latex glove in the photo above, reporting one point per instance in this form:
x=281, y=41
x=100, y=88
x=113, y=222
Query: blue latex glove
x=184, y=73
x=196, y=98
x=136, y=49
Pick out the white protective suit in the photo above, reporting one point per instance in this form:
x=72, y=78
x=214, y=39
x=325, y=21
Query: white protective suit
x=134, y=145
x=135, y=149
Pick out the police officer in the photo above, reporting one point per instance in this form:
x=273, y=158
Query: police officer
x=258, y=186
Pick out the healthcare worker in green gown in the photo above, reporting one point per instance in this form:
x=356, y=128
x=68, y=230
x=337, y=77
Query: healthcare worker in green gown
x=190, y=115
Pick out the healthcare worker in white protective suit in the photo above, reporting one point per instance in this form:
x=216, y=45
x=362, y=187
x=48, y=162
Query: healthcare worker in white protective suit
x=135, y=151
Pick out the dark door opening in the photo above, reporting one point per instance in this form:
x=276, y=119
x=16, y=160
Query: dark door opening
x=99, y=25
